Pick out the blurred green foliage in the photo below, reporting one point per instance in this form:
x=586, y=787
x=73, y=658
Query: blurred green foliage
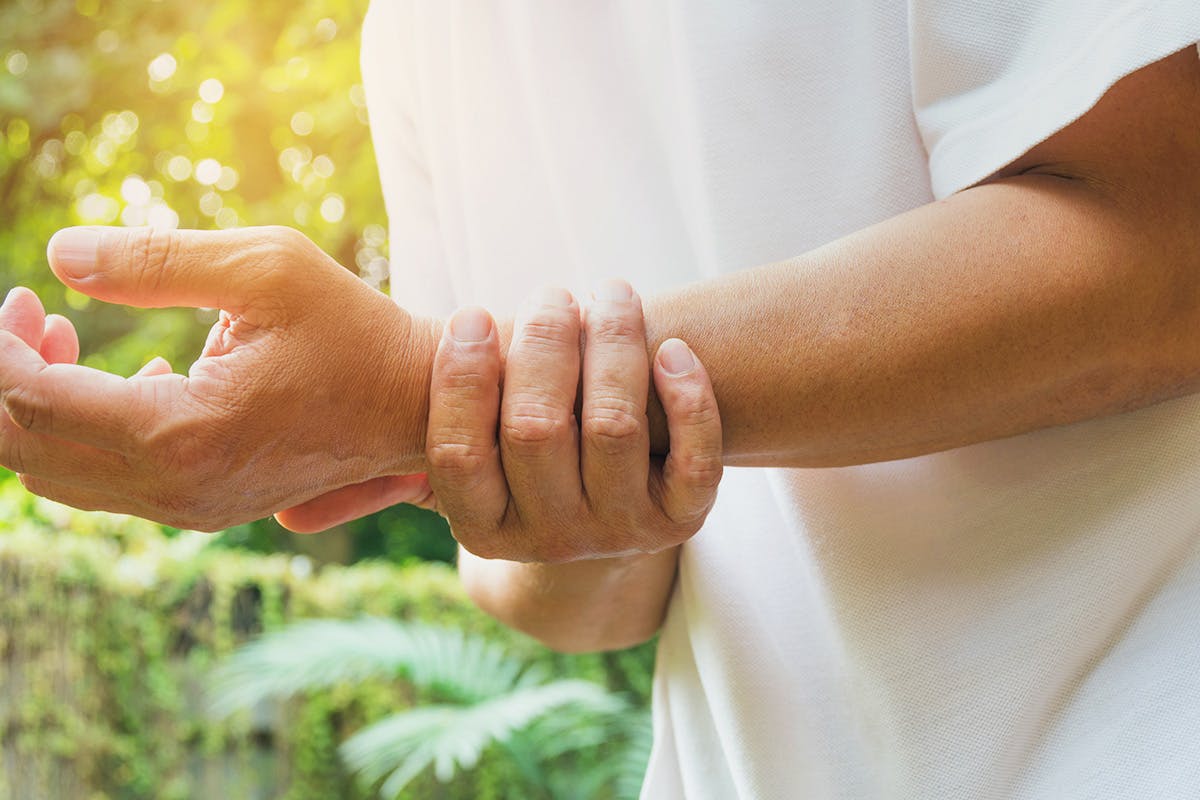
x=108, y=631
x=201, y=115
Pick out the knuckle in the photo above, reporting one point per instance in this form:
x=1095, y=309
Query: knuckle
x=702, y=470
x=615, y=329
x=271, y=257
x=694, y=406
x=533, y=425
x=287, y=241
x=532, y=434
x=462, y=378
x=550, y=330
x=155, y=253
x=613, y=424
x=151, y=252
x=28, y=410
x=457, y=458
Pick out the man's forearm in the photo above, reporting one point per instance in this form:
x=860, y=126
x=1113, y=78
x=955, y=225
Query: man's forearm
x=1010, y=307
x=1066, y=289
x=1029, y=302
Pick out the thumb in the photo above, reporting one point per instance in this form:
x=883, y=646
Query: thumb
x=234, y=270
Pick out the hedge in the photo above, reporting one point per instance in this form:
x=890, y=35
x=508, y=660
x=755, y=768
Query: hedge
x=108, y=628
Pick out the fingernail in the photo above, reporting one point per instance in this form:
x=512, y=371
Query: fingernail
x=471, y=324
x=613, y=292
x=73, y=251
x=554, y=297
x=676, y=357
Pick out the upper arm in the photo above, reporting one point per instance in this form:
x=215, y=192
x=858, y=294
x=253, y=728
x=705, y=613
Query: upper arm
x=1139, y=146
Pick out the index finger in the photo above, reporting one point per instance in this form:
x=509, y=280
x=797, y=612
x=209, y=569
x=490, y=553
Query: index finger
x=78, y=403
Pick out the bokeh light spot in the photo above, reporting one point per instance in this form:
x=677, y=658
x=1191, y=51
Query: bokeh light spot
x=18, y=131
x=162, y=67
x=211, y=91
x=16, y=62
x=227, y=218
x=323, y=166
x=162, y=216
x=179, y=168
x=297, y=69
x=333, y=208
x=134, y=216
x=105, y=153
x=75, y=142
x=107, y=41
x=96, y=208
x=208, y=172
x=289, y=158
x=374, y=235
x=325, y=29
x=302, y=123
x=135, y=191
x=228, y=179
x=210, y=204
x=202, y=111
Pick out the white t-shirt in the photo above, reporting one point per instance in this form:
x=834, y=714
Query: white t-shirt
x=1019, y=618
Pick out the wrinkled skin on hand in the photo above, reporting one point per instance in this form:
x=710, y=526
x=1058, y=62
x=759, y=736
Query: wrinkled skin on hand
x=519, y=474
x=522, y=476
x=310, y=381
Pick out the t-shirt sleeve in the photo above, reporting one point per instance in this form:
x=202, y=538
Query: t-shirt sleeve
x=991, y=80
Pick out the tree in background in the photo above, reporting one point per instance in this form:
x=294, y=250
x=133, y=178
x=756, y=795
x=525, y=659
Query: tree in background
x=197, y=115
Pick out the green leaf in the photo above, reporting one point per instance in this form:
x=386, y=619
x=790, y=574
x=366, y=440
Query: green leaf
x=320, y=653
x=451, y=738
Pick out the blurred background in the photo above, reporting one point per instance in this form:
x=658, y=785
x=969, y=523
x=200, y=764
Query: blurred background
x=122, y=667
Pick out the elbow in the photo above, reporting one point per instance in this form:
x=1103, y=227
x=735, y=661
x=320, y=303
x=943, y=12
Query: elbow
x=582, y=607
x=566, y=627
x=578, y=641
x=565, y=631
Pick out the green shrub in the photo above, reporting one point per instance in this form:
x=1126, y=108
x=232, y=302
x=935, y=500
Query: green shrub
x=108, y=630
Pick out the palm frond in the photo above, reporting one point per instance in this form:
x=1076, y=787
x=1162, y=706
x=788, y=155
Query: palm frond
x=553, y=735
x=630, y=768
x=451, y=738
x=318, y=653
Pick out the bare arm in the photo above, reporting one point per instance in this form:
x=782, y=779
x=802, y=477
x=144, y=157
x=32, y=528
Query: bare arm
x=1066, y=287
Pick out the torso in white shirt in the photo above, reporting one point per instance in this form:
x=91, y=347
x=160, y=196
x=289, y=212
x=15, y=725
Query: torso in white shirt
x=1012, y=619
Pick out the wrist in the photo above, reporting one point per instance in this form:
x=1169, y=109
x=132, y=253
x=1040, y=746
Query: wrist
x=410, y=369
